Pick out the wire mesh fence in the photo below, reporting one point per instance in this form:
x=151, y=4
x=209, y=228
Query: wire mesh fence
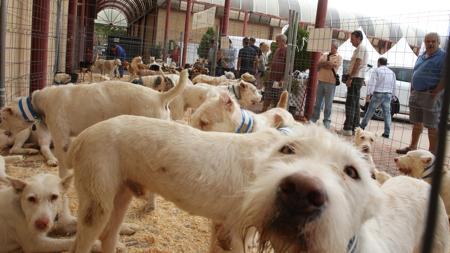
x=47, y=37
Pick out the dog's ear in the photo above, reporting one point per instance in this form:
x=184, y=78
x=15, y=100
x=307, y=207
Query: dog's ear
x=8, y=110
x=358, y=130
x=66, y=182
x=426, y=160
x=277, y=121
x=225, y=100
x=17, y=184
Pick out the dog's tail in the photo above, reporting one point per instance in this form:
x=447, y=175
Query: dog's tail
x=168, y=96
x=283, y=102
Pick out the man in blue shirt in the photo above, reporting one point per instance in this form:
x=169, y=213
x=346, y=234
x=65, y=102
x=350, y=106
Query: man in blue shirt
x=119, y=52
x=246, y=58
x=425, y=101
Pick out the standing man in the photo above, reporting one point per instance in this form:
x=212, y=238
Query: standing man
x=354, y=82
x=329, y=63
x=274, y=85
x=379, y=92
x=425, y=100
x=120, y=53
x=246, y=58
x=229, y=58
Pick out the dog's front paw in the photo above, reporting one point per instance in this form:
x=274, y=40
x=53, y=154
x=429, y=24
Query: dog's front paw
x=128, y=229
x=121, y=248
x=52, y=162
x=97, y=247
x=32, y=151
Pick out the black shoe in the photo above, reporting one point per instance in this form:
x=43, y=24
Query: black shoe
x=385, y=135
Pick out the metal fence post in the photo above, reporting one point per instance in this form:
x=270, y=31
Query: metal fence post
x=440, y=156
x=4, y=12
x=58, y=37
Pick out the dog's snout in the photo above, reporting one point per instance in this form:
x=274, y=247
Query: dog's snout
x=41, y=223
x=365, y=149
x=302, y=194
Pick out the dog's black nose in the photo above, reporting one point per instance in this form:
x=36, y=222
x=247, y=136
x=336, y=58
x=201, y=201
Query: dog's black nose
x=302, y=194
x=365, y=149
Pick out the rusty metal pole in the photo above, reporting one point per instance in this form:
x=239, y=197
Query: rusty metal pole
x=226, y=17
x=71, y=22
x=89, y=30
x=244, y=28
x=312, y=87
x=39, y=44
x=166, y=28
x=82, y=31
x=187, y=25
x=3, y=29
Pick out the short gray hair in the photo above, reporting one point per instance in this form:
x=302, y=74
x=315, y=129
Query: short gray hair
x=435, y=35
x=282, y=37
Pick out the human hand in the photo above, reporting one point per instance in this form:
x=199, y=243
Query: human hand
x=368, y=99
x=349, y=82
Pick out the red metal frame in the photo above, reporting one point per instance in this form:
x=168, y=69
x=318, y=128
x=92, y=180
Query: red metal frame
x=39, y=44
x=311, y=92
x=166, y=28
x=226, y=17
x=244, y=27
x=187, y=29
x=71, y=21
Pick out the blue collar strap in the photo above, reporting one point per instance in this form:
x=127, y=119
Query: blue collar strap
x=428, y=171
x=232, y=89
x=26, y=109
x=285, y=130
x=352, y=244
x=246, y=123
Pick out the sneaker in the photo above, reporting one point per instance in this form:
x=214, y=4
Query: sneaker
x=404, y=150
x=345, y=132
x=385, y=135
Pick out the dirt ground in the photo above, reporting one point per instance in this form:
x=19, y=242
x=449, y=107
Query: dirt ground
x=165, y=230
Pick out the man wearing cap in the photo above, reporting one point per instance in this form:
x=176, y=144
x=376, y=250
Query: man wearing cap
x=380, y=88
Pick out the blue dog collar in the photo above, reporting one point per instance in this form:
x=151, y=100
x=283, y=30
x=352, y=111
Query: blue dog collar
x=246, y=123
x=285, y=130
x=26, y=109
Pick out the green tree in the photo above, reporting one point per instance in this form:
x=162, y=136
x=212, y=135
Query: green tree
x=205, y=43
x=102, y=31
x=302, y=59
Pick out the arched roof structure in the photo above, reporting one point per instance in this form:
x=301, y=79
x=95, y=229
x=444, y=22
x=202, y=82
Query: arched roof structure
x=276, y=13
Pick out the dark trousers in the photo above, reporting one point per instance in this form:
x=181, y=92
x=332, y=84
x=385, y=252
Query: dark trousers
x=352, y=110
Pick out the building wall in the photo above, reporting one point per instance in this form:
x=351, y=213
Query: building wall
x=18, y=45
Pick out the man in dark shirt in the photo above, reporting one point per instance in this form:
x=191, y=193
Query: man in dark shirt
x=256, y=48
x=246, y=58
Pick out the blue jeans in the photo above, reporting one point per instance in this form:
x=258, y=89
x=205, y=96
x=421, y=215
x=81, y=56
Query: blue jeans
x=383, y=99
x=325, y=92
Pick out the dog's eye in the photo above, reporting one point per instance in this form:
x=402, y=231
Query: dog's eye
x=362, y=137
x=32, y=199
x=373, y=176
x=53, y=197
x=287, y=149
x=371, y=139
x=351, y=172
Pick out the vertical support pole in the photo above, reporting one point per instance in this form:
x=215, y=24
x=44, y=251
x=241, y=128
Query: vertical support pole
x=58, y=36
x=82, y=30
x=187, y=25
x=144, y=33
x=3, y=17
x=244, y=28
x=226, y=17
x=166, y=27
x=89, y=29
x=311, y=92
x=39, y=44
x=71, y=23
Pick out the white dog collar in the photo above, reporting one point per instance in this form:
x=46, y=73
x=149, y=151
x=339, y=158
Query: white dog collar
x=246, y=123
x=26, y=109
x=285, y=130
x=428, y=171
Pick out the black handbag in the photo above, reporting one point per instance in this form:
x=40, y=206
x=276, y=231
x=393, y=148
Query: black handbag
x=334, y=73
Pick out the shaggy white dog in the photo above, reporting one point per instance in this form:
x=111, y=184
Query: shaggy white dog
x=223, y=114
x=163, y=157
x=329, y=203
x=420, y=164
x=214, y=80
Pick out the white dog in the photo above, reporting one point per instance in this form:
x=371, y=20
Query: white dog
x=420, y=164
x=214, y=80
x=20, y=132
x=209, y=185
x=193, y=96
x=328, y=203
x=223, y=114
x=29, y=210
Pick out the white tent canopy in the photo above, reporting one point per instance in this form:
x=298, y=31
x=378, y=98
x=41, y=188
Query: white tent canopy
x=401, y=55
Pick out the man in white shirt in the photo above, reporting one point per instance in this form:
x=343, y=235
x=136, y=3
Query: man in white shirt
x=379, y=92
x=355, y=80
